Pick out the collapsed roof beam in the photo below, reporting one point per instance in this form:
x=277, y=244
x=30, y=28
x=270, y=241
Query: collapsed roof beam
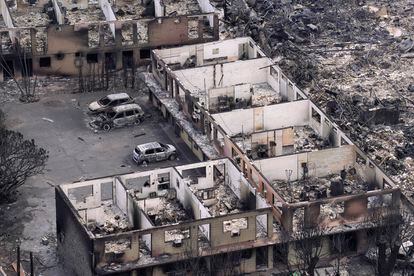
x=8, y=21
x=58, y=13
x=109, y=14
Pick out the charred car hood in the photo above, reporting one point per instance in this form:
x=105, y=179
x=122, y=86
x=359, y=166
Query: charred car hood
x=94, y=106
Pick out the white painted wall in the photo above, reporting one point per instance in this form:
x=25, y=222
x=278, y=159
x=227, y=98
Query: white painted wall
x=274, y=116
x=243, y=71
x=242, y=91
x=320, y=163
x=286, y=114
x=120, y=196
x=273, y=81
x=194, y=79
x=139, y=179
x=226, y=48
x=224, y=74
x=275, y=168
x=235, y=121
x=144, y=222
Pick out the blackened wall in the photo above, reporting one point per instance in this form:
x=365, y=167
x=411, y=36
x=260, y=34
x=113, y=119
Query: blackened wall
x=74, y=247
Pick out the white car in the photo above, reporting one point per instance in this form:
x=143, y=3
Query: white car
x=153, y=152
x=109, y=101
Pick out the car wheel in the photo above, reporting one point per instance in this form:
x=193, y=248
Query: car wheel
x=106, y=127
x=172, y=157
x=138, y=121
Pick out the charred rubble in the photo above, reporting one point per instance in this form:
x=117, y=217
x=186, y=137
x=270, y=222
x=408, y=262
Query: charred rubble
x=354, y=59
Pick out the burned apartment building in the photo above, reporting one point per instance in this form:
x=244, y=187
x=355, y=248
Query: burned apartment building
x=287, y=167
x=241, y=103
x=151, y=223
x=91, y=37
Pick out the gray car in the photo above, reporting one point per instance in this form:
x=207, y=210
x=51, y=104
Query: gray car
x=119, y=116
x=154, y=152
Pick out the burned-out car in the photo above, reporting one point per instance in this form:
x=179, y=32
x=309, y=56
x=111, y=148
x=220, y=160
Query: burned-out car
x=153, y=152
x=119, y=116
x=106, y=103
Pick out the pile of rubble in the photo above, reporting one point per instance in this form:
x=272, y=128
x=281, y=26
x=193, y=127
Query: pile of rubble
x=31, y=17
x=180, y=7
x=263, y=94
x=117, y=246
x=128, y=11
x=235, y=225
x=312, y=188
x=91, y=14
x=113, y=220
x=168, y=211
x=305, y=139
x=176, y=235
x=335, y=50
x=223, y=200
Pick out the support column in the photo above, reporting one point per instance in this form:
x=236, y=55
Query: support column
x=311, y=215
x=362, y=241
x=165, y=79
x=171, y=87
x=287, y=218
x=270, y=257
x=396, y=199
x=269, y=225
x=355, y=207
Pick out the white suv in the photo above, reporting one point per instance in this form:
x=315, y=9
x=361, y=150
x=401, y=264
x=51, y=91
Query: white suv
x=153, y=152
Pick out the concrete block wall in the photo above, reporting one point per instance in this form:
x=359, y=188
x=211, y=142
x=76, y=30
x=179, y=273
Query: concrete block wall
x=189, y=245
x=130, y=254
x=219, y=237
x=328, y=161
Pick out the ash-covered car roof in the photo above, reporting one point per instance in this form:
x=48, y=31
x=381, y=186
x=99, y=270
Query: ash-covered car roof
x=118, y=96
x=126, y=107
x=152, y=145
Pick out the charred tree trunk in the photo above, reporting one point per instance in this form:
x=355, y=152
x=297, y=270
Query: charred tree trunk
x=312, y=266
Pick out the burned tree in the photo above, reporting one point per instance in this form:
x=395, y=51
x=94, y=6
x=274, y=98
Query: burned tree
x=28, y=84
x=386, y=240
x=2, y=119
x=341, y=243
x=19, y=159
x=225, y=263
x=308, y=246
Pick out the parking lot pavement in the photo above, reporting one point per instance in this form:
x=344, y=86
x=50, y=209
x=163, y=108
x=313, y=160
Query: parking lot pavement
x=59, y=124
